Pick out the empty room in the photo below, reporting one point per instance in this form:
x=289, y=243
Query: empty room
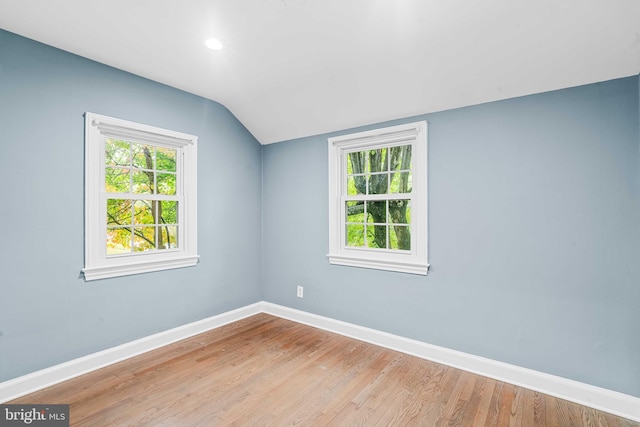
x=320, y=213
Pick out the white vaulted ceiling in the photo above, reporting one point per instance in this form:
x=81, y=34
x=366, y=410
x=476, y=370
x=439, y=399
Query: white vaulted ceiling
x=293, y=68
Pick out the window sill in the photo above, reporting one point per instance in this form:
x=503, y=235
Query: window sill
x=378, y=264
x=123, y=269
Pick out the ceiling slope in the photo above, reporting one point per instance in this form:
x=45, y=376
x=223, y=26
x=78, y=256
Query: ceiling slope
x=293, y=68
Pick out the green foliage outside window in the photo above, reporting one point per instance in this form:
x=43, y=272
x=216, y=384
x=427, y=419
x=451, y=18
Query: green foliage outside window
x=140, y=180
x=378, y=215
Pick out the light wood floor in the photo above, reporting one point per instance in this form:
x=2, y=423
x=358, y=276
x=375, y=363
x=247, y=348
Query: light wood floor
x=267, y=371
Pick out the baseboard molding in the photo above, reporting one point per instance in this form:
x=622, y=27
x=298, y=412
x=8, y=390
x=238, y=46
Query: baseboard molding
x=38, y=380
x=584, y=394
x=595, y=397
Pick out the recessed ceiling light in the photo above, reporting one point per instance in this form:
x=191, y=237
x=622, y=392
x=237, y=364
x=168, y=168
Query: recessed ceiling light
x=214, y=44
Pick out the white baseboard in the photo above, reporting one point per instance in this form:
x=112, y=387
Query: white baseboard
x=38, y=380
x=599, y=398
x=595, y=397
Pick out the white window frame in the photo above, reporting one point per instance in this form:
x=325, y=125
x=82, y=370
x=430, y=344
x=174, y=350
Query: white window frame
x=414, y=261
x=98, y=265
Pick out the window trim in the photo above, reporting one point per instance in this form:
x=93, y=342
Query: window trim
x=414, y=261
x=97, y=264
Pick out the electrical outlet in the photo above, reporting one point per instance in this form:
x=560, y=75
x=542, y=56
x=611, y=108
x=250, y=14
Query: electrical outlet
x=300, y=292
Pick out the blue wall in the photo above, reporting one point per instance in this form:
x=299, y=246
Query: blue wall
x=534, y=206
x=48, y=314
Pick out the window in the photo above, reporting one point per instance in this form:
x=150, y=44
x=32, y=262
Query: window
x=378, y=199
x=140, y=198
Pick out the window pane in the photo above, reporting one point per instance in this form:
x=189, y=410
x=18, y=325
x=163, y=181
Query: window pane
x=400, y=211
x=378, y=161
x=376, y=236
x=379, y=183
x=143, y=212
x=143, y=156
x=401, y=158
x=356, y=162
x=168, y=213
x=377, y=211
x=118, y=212
x=355, y=235
x=144, y=239
x=356, y=185
x=118, y=241
x=400, y=237
x=118, y=153
x=143, y=182
x=166, y=159
x=355, y=211
x=117, y=180
x=168, y=237
x=166, y=183
x=400, y=182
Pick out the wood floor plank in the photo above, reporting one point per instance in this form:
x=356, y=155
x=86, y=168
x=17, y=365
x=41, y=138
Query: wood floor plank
x=483, y=397
x=268, y=371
